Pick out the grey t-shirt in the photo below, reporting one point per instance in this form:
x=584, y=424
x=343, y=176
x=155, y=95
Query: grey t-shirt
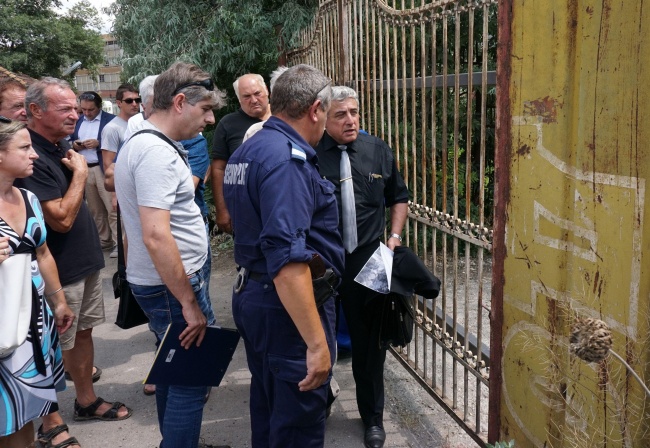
x=150, y=173
x=113, y=134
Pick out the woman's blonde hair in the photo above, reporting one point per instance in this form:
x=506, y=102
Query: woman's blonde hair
x=8, y=130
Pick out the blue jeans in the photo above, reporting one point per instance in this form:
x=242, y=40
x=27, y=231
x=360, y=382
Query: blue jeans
x=181, y=426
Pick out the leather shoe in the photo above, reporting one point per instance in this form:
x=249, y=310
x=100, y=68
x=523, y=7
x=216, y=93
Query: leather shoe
x=374, y=437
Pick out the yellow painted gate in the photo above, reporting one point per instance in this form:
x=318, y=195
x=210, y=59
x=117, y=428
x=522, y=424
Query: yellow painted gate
x=571, y=228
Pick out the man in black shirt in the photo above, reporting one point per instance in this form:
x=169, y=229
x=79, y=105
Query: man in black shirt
x=377, y=184
x=253, y=98
x=58, y=181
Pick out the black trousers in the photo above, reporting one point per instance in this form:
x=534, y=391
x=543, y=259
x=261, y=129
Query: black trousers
x=360, y=306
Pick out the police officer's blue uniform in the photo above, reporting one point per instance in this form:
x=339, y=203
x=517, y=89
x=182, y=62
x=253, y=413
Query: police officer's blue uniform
x=282, y=211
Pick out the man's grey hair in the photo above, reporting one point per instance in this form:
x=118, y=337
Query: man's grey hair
x=179, y=74
x=146, y=88
x=36, y=92
x=275, y=74
x=258, y=78
x=342, y=93
x=298, y=88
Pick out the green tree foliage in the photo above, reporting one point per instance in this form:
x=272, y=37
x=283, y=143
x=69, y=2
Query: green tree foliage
x=227, y=38
x=35, y=40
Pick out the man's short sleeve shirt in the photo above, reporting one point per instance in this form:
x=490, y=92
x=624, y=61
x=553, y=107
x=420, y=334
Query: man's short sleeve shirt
x=113, y=134
x=199, y=160
x=151, y=173
x=78, y=252
x=377, y=182
x=281, y=209
x=230, y=133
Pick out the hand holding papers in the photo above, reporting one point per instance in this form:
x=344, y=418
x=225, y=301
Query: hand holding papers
x=377, y=272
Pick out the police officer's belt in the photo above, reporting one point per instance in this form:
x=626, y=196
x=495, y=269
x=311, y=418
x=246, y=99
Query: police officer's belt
x=324, y=281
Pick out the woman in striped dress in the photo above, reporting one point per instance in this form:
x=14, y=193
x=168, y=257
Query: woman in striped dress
x=28, y=386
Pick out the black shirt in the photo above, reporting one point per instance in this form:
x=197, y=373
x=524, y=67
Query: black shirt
x=230, y=133
x=377, y=183
x=77, y=253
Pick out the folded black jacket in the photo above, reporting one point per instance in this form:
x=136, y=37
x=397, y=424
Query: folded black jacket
x=410, y=275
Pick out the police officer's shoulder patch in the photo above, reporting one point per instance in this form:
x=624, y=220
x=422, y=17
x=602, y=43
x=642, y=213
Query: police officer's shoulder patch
x=298, y=154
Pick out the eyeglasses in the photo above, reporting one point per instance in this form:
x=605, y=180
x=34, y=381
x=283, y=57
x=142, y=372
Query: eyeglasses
x=206, y=83
x=4, y=120
x=87, y=96
x=131, y=100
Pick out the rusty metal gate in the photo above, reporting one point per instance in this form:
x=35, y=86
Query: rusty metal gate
x=425, y=71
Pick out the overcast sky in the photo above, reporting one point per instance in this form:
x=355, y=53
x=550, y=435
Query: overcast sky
x=99, y=4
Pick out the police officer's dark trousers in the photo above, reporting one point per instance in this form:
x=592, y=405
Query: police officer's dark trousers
x=281, y=415
x=360, y=306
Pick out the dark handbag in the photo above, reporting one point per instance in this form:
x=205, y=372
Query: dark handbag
x=396, y=321
x=129, y=313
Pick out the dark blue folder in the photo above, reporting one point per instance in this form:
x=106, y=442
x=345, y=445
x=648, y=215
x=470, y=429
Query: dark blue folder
x=197, y=366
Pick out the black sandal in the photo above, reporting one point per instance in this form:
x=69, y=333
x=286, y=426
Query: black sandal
x=44, y=439
x=82, y=413
x=96, y=375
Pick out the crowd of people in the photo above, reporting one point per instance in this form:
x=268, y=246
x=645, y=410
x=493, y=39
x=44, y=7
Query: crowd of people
x=301, y=189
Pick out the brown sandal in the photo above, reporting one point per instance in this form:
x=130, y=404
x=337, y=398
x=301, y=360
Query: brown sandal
x=82, y=413
x=44, y=439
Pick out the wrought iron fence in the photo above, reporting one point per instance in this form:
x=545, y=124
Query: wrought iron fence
x=425, y=74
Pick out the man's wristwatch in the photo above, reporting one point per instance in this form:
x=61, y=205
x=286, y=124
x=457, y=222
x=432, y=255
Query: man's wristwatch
x=395, y=235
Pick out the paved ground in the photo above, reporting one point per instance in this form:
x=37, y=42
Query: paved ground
x=412, y=418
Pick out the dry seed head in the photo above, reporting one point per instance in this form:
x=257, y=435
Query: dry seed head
x=590, y=339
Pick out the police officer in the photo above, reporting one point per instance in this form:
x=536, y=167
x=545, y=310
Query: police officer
x=376, y=184
x=284, y=215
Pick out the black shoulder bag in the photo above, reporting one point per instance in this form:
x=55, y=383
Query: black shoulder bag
x=129, y=313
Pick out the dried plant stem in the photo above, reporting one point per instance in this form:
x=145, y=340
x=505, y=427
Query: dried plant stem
x=629, y=369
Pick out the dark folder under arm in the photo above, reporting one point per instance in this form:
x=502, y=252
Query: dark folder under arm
x=197, y=366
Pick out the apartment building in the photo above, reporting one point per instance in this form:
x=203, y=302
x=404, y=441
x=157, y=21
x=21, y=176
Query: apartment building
x=108, y=80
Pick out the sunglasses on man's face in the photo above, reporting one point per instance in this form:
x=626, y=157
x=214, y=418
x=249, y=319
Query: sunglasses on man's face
x=131, y=100
x=206, y=83
x=4, y=120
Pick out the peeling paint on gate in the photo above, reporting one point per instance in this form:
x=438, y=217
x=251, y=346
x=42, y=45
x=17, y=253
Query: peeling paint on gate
x=576, y=224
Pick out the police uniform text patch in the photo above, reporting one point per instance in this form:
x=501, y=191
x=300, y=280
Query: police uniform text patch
x=235, y=174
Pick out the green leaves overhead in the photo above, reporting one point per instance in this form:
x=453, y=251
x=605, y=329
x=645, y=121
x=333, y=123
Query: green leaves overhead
x=224, y=37
x=36, y=41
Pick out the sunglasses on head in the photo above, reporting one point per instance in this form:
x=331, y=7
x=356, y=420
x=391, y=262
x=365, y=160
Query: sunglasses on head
x=319, y=90
x=131, y=100
x=87, y=97
x=4, y=120
x=206, y=83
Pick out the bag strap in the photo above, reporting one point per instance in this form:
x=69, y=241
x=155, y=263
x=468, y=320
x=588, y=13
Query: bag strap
x=121, y=264
x=39, y=360
x=166, y=139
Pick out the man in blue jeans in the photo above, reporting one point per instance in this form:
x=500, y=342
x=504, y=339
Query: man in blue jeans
x=167, y=236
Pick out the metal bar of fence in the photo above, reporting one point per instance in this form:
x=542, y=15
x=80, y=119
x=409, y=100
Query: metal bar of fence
x=481, y=199
x=456, y=190
x=423, y=160
x=445, y=94
x=468, y=190
x=414, y=97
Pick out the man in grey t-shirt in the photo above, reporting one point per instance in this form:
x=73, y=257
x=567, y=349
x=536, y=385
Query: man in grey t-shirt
x=128, y=102
x=167, y=236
